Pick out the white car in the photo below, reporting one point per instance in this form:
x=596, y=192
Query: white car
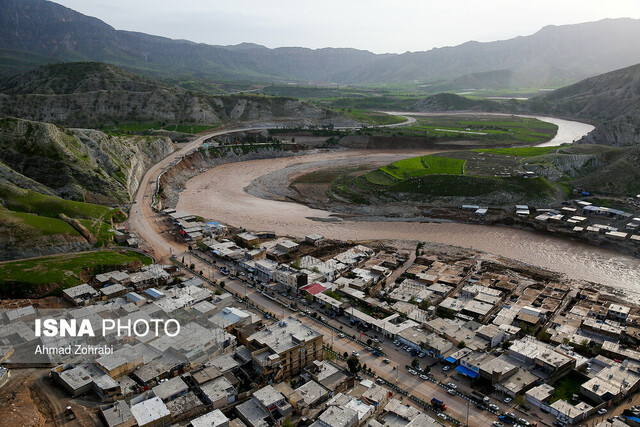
x=386, y=360
x=424, y=377
x=355, y=353
x=412, y=372
x=341, y=335
x=507, y=399
x=379, y=380
x=451, y=391
x=446, y=368
x=602, y=411
x=452, y=386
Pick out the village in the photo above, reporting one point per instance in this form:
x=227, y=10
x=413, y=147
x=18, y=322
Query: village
x=275, y=331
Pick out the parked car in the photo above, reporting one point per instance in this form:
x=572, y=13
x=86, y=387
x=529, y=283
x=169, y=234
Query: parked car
x=355, y=353
x=446, y=368
x=412, y=372
x=341, y=335
x=602, y=411
x=451, y=391
x=386, y=360
x=452, y=385
x=379, y=380
x=497, y=424
x=424, y=377
x=507, y=399
x=523, y=422
x=421, y=355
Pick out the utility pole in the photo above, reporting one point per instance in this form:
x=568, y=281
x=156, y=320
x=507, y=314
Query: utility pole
x=467, y=413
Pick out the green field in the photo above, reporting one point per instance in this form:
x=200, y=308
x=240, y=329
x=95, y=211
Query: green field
x=41, y=225
x=17, y=199
x=373, y=118
x=518, y=151
x=566, y=387
x=487, y=129
x=24, y=278
x=447, y=175
x=425, y=165
x=133, y=128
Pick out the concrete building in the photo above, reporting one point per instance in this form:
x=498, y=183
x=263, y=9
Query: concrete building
x=618, y=312
x=81, y=294
x=212, y=419
x=311, y=395
x=117, y=414
x=541, y=356
x=230, y=317
x=266, y=408
x=314, y=239
x=573, y=413
x=282, y=349
x=614, y=382
x=151, y=412
x=335, y=416
x=290, y=278
x=540, y=395
x=248, y=239
x=170, y=389
x=112, y=291
x=265, y=269
x=219, y=392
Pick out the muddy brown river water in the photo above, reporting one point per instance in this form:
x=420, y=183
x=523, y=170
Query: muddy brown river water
x=219, y=194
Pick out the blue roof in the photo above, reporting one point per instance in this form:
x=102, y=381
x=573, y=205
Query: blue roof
x=466, y=371
x=450, y=360
x=215, y=223
x=154, y=293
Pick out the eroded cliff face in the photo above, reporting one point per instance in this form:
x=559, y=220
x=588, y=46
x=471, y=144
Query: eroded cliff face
x=76, y=164
x=172, y=181
x=99, y=108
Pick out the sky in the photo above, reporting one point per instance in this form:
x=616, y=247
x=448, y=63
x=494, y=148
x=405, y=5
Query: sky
x=380, y=26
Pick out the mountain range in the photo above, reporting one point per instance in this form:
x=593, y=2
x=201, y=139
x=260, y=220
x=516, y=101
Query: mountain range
x=36, y=32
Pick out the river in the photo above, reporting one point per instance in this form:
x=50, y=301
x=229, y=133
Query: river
x=219, y=194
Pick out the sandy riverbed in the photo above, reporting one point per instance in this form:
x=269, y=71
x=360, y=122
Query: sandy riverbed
x=220, y=194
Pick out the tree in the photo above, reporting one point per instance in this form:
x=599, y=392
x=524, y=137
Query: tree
x=287, y=423
x=308, y=298
x=354, y=364
x=369, y=341
x=415, y=362
x=506, y=344
x=222, y=284
x=543, y=336
x=412, y=300
x=462, y=344
x=425, y=304
x=346, y=354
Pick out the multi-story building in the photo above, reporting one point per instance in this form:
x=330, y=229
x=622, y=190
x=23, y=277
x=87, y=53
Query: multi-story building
x=281, y=350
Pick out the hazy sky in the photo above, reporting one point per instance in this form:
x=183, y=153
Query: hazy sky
x=376, y=25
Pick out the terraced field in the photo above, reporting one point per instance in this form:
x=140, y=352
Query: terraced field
x=479, y=175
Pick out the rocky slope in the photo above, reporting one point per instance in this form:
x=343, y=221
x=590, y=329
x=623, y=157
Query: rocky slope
x=94, y=95
x=598, y=99
x=77, y=164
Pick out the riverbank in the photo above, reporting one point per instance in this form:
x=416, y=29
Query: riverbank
x=227, y=201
